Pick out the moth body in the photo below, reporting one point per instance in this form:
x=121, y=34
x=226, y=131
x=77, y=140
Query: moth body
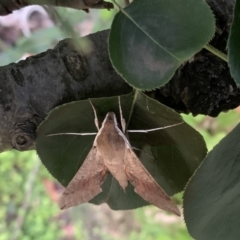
x=112, y=152
x=111, y=147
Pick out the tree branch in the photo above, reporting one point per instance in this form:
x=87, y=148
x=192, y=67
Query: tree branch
x=31, y=88
x=7, y=6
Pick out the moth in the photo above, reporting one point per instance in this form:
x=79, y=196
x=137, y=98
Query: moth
x=112, y=152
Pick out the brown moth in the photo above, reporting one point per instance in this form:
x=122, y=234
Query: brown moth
x=112, y=152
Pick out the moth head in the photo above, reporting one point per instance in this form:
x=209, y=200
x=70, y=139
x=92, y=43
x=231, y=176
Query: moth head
x=110, y=119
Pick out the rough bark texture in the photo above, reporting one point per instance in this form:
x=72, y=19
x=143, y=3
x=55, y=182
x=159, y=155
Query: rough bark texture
x=31, y=88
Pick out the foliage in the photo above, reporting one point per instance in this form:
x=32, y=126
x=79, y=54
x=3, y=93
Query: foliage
x=135, y=28
x=187, y=27
x=225, y=193
x=150, y=40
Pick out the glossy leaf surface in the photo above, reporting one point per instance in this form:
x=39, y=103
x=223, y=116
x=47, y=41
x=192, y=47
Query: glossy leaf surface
x=234, y=45
x=212, y=197
x=150, y=39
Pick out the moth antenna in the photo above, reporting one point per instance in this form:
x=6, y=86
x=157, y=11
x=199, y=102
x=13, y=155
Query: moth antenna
x=154, y=129
x=95, y=116
x=123, y=122
x=75, y=134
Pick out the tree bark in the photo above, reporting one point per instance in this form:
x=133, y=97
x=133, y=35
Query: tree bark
x=31, y=88
x=7, y=6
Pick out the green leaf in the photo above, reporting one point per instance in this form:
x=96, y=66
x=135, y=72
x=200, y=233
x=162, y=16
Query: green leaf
x=170, y=155
x=212, y=197
x=234, y=45
x=150, y=39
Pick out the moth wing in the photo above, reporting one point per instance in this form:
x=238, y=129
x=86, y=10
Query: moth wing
x=145, y=185
x=86, y=183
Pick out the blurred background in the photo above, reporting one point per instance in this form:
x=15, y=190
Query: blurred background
x=28, y=193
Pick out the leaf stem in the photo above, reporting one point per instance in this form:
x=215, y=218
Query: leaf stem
x=132, y=106
x=119, y=7
x=216, y=52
